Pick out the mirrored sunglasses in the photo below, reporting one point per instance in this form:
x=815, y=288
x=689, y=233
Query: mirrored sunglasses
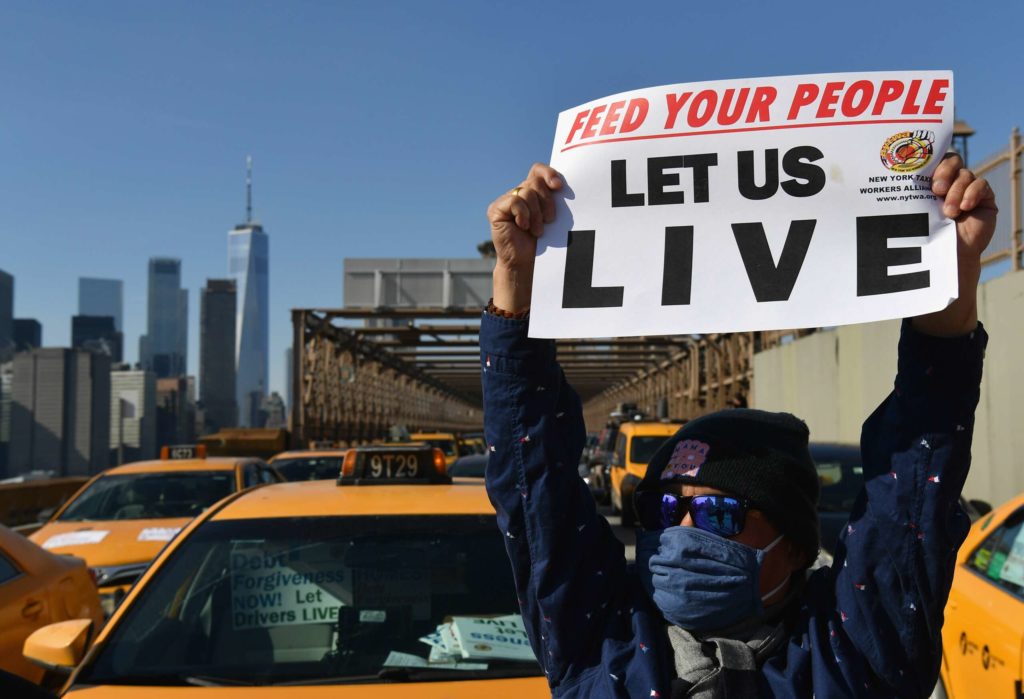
x=723, y=515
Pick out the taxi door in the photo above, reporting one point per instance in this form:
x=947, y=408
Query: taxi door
x=24, y=607
x=984, y=628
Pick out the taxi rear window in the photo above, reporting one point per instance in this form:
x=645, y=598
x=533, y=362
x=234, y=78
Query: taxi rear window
x=150, y=495
x=325, y=600
x=445, y=445
x=312, y=468
x=642, y=449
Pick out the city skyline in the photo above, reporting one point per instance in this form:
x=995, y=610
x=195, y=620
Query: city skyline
x=141, y=134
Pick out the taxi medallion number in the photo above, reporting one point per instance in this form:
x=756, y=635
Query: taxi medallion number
x=394, y=466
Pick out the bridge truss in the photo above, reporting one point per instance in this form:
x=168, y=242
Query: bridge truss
x=420, y=368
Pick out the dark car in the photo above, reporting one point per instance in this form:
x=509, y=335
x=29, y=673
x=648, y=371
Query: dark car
x=841, y=475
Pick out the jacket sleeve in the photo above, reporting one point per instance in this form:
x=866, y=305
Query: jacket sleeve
x=568, y=566
x=894, y=565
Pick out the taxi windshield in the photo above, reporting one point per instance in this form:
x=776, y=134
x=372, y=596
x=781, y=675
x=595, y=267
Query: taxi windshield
x=150, y=495
x=309, y=468
x=325, y=600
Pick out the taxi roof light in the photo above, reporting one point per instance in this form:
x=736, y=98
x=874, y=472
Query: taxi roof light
x=406, y=463
x=180, y=452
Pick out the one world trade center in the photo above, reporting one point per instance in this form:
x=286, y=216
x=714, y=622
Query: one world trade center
x=248, y=265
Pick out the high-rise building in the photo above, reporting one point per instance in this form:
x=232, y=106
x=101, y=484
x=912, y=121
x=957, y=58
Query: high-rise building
x=248, y=265
x=97, y=334
x=163, y=349
x=132, y=415
x=6, y=315
x=175, y=413
x=102, y=297
x=276, y=416
x=60, y=412
x=28, y=334
x=6, y=377
x=217, y=309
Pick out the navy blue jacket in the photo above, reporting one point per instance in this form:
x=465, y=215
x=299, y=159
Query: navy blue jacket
x=869, y=626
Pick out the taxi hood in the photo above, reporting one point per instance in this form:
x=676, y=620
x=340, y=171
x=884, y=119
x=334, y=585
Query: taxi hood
x=517, y=688
x=111, y=542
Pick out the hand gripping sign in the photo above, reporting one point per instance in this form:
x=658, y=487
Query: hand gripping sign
x=789, y=202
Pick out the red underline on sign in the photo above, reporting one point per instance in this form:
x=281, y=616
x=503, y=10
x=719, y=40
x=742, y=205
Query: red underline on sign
x=751, y=128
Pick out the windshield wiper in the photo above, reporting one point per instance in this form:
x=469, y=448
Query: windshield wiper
x=170, y=680
x=442, y=674
x=417, y=674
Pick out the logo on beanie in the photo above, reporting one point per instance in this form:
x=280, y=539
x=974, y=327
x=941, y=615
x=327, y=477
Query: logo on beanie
x=686, y=460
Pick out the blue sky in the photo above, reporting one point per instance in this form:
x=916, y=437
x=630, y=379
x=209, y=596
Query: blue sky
x=378, y=128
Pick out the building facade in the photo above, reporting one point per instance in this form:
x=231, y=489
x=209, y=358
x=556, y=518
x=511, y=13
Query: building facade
x=248, y=266
x=175, y=413
x=97, y=334
x=6, y=315
x=164, y=347
x=60, y=412
x=217, y=392
x=102, y=297
x=6, y=377
x=132, y=415
x=28, y=334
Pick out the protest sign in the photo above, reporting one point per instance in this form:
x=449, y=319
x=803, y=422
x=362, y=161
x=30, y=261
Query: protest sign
x=267, y=592
x=801, y=201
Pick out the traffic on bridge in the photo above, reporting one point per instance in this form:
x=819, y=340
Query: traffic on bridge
x=526, y=369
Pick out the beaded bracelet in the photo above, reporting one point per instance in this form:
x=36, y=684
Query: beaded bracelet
x=502, y=313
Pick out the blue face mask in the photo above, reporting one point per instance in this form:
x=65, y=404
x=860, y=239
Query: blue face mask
x=701, y=581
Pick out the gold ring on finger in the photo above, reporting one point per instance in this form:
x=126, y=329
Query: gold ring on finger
x=515, y=192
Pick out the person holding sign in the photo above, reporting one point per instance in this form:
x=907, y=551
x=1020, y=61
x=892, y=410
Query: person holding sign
x=721, y=602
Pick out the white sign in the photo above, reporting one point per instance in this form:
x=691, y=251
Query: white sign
x=266, y=592
x=801, y=201
x=492, y=637
x=75, y=539
x=158, y=533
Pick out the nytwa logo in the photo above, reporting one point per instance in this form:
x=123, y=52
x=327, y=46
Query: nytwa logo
x=908, y=151
x=686, y=460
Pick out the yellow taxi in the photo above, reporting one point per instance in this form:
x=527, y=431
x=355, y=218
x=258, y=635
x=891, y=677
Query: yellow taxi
x=447, y=442
x=38, y=588
x=983, y=637
x=119, y=520
x=634, y=447
x=391, y=581
x=309, y=465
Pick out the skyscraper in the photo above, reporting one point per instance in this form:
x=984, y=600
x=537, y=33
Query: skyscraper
x=217, y=309
x=28, y=334
x=97, y=334
x=60, y=412
x=6, y=315
x=102, y=297
x=163, y=349
x=248, y=265
x=132, y=415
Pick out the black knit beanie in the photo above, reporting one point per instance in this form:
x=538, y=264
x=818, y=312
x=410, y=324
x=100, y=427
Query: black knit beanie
x=757, y=455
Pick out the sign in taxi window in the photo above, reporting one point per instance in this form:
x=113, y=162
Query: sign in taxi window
x=282, y=588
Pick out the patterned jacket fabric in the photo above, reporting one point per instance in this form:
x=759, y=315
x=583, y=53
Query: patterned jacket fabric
x=869, y=626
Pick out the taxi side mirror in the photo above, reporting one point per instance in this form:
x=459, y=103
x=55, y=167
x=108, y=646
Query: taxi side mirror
x=59, y=646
